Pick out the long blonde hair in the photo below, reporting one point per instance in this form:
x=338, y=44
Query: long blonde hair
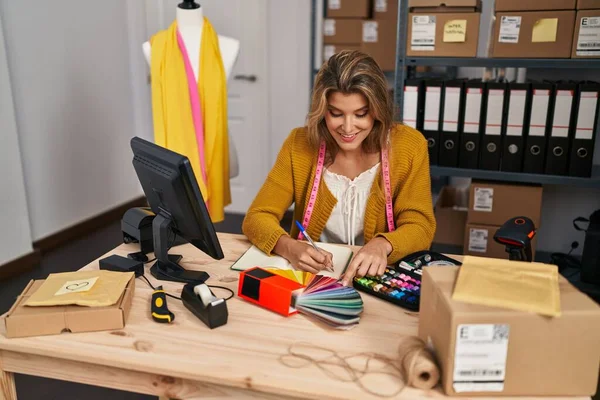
x=351, y=71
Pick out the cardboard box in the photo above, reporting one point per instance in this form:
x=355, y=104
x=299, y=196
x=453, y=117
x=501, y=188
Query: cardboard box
x=479, y=241
x=385, y=10
x=586, y=40
x=455, y=6
x=515, y=36
x=379, y=41
x=534, y=5
x=24, y=321
x=494, y=203
x=451, y=216
x=533, y=355
x=331, y=49
x=348, y=8
x=342, y=31
x=588, y=4
x=426, y=35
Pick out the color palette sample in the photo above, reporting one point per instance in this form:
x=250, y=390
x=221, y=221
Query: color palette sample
x=401, y=284
x=397, y=285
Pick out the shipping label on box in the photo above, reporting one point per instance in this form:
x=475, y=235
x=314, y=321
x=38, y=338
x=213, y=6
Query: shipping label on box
x=423, y=33
x=381, y=6
x=480, y=357
x=478, y=240
x=484, y=199
x=370, y=32
x=329, y=27
x=588, y=39
x=510, y=27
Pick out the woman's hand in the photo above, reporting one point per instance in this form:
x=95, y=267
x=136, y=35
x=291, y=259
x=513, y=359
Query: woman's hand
x=370, y=260
x=303, y=256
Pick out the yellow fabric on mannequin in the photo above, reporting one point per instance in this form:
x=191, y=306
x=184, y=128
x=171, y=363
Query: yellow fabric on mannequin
x=172, y=114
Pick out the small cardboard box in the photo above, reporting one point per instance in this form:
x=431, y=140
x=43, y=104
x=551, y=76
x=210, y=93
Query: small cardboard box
x=342, y=31
x=534, y=5
x=331, y=49
x=455, y=6
x=479, y=241
x=494, y=203
x=494, y=351
x=385, y=10
x=348, y=8
x=533, y=34
x=24, y=321
x=379, y=41
x=451, y=217
x=588, y=4
x=586, y=40
x=426, y=35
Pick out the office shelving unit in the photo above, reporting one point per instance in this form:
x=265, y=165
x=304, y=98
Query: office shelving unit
x=403, y=62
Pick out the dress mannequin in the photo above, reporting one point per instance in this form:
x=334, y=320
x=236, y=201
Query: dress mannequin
x=190, y=20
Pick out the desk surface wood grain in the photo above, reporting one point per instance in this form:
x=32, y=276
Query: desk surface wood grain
x=186, y=359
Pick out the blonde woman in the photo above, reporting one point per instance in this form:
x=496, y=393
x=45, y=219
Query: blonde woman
x=354, y=175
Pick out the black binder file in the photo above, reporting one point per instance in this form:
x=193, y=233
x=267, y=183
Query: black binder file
x=452, y=104
x=491, y=145
x=518, y=100
x=539, y=125
x=586, y=125
x=557, y=153
x=431, y=117
x=412, y=114
x=470, y=136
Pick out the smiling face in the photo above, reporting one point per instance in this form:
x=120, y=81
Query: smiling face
x=348, y=119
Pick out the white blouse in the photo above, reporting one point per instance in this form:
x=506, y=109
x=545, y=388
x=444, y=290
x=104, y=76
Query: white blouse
x=346, y=222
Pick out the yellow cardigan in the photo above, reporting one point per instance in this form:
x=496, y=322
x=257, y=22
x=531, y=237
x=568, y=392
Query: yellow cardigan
x=291, y=178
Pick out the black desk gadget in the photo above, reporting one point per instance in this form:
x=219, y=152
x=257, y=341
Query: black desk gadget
x=401, y=283
x=516, y=235
x=202, y=302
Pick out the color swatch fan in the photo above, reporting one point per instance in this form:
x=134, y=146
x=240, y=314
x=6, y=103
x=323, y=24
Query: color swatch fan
x=289, y=292
x=330, y=302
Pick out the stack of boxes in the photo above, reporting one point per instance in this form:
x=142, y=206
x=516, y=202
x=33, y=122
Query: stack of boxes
x=533, y=29
x=491, y=204
x=586, y=40
x=369, y=26
x=443, y=28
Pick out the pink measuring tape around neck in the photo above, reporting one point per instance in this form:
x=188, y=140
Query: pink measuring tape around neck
x=385, y=167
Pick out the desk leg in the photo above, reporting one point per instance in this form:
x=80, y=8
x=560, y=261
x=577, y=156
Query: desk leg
x=8, y=390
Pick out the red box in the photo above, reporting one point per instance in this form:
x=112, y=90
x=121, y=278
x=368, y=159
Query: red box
x=268, y=290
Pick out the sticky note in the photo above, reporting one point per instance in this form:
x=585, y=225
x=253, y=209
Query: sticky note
x=82, y=285
x=544, y=30
x=455, y=31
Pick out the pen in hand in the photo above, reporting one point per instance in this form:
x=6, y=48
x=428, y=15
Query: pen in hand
x=305, y=234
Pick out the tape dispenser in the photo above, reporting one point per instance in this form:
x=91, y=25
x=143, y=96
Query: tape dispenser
x=202, y=302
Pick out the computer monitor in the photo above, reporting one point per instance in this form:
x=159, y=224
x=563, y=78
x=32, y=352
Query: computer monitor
x=174, y=196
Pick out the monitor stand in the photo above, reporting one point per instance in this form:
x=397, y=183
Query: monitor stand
x=166, y=267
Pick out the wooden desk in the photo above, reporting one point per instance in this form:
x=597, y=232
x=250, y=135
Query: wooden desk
x=187, y=360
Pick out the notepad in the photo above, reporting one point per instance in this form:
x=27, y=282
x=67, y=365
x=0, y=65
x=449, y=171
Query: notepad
x=254, y=257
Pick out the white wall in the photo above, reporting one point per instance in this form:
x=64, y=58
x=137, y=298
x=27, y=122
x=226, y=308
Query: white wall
x=289, y=68
x=15, y=234
x=72, y=83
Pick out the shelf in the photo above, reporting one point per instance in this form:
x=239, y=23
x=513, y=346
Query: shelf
x=503, y=62
x=593, y=182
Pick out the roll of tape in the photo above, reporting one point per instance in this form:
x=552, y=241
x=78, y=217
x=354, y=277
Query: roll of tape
x=205, y=295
